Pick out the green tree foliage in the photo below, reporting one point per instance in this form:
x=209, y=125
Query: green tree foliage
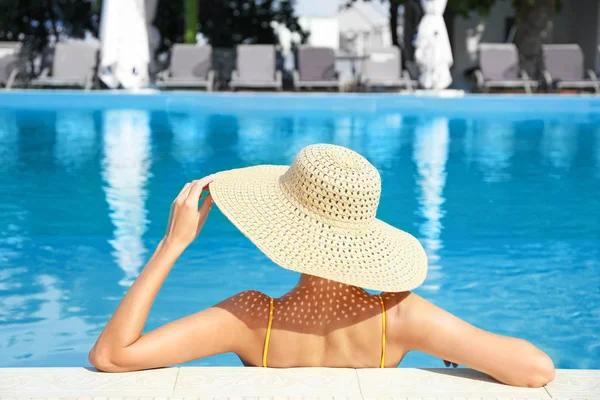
x=224, y=23
x=170, y=22
x=35, y=21
x=228, y=23
x=482, y=7
x=464, y=7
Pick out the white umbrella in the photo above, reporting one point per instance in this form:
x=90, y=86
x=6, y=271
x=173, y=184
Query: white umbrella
x=125, y=52
x=432, y=47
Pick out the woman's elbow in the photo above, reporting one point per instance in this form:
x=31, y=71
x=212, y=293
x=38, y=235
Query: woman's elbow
x=542, y=371
x=102, y=361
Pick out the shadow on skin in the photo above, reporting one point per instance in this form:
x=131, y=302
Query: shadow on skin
x=317, y=308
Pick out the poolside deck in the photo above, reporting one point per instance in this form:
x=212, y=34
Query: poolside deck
x=299, y=383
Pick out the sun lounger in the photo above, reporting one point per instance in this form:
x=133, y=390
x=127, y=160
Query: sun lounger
x=564, y=68
x=499, y=69
x=190, y=68
x=74, y=65
x=383, y=68
x=9, y=63
x=316, y=69
x=255, y=68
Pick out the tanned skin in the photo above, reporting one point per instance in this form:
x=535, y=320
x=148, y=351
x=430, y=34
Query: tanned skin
x=318, y=323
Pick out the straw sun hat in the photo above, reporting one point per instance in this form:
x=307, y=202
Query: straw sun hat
x=318, y=217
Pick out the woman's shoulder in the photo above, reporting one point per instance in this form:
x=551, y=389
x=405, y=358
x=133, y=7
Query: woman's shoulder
x=248, y=298
x=250, y=306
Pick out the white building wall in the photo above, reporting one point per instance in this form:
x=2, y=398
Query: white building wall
x=579, y=22
x=584, y=28
x=324, y=31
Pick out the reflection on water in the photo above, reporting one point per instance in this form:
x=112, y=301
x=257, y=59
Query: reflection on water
x=597, y=152
x=490, y=145
x=559, y=145
x=379, y=139
x=125, y=170
x=430, y=156
x=41, y=327
x=348, y=132
x=75, y=143
x=13, y=233
x=9, y=141
x=258, y=140
x=190, y=138
x=306, y=131
x=384, y=138
x=79, y=212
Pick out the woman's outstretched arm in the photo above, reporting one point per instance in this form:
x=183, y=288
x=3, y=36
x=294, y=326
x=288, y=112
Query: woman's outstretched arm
x=122, y=347
x=509, y=360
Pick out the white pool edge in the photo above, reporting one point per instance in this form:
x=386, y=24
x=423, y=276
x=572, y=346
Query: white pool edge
x=257, y=383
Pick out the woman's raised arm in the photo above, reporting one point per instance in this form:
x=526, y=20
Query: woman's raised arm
x=509, y=360
x=121, y=345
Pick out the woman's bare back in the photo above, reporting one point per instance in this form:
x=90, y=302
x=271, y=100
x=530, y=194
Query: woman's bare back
x=318, y=323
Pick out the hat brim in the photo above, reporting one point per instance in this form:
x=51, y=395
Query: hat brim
x=378, y=256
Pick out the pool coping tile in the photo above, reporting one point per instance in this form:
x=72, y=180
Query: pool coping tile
x=267, y=382
x=575, y=383
x=438, y=383
x=201, y=383
x=77, y=381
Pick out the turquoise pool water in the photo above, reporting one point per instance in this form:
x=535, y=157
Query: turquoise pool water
x=503, y=192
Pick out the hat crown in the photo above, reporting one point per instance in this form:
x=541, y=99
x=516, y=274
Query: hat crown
x=337, y=184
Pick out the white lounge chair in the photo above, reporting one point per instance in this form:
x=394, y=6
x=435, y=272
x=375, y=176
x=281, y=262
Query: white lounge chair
x=190, y=68
x=74, y=64
x=255, y=68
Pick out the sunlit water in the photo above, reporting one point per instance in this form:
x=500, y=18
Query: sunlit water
x=508, y=212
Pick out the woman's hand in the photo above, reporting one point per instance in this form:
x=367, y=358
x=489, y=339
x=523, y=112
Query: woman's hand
x=186, y=220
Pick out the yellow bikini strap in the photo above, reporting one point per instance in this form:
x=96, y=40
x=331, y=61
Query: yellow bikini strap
x=383, y=332
x=268, y=336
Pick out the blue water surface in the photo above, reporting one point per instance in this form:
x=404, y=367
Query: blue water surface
x=504, y=194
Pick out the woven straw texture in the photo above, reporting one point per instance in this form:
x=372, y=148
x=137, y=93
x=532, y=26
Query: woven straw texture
x=318, y=217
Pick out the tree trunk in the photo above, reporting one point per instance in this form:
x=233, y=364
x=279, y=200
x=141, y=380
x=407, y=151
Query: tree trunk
x=394, y=22
x=534, y=21
x=53, y=18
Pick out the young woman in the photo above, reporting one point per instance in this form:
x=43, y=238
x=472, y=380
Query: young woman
x=316, y=217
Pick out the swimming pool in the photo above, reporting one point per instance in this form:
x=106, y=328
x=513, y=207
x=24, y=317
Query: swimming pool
x=503, y=192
